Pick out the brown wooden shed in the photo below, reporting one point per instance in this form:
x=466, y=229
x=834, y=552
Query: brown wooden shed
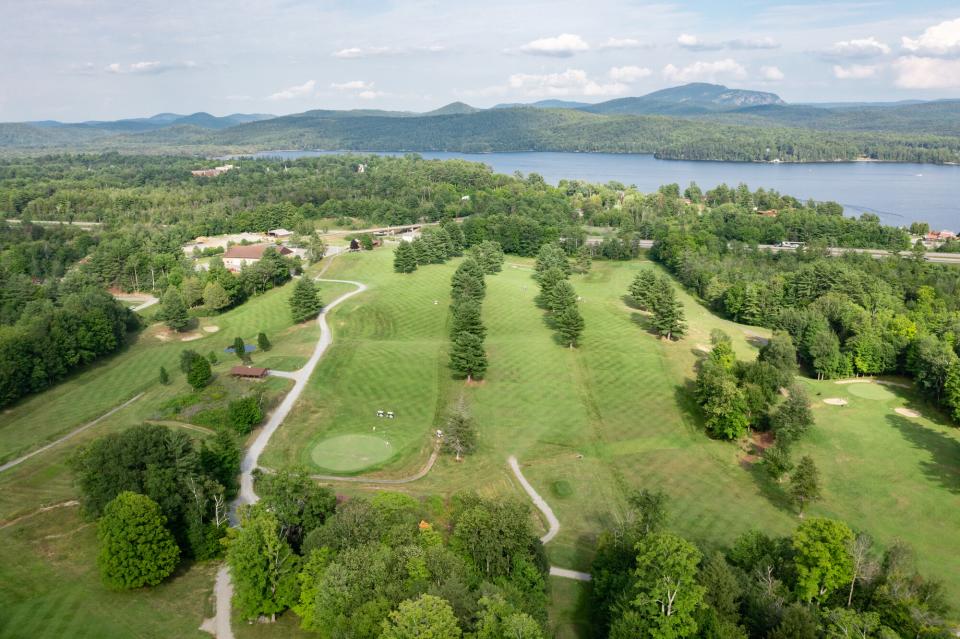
x=249, y=371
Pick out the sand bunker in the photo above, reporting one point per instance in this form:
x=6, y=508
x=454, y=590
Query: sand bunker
x=870, y=380
x=211, y=329
x=906, y=412
x=835, y=401
x=189, y=337
x=704, y=348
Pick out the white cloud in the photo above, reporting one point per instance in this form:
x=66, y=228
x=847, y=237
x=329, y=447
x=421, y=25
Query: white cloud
x=570, y=82
x=561, y=46
x=622, y=43
x=352, y=85
x=771, y=74
x=360, y=88
x=628, y=73
x=706, y=71
x=858, y=48
x=939, y=40
x=915, y=72
x=694, y=43
x=765, y=42
x=855, y=71
x=353, y=53
x=151, y=67
x=294, y=92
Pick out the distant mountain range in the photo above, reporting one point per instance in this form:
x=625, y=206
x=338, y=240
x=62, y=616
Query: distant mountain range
x=693, y=121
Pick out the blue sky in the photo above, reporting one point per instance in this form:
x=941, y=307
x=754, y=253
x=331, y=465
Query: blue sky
x=85, y=59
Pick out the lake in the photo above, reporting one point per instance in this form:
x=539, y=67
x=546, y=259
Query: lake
x=897, y=193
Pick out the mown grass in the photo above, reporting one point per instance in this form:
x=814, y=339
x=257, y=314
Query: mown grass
x=614, y=415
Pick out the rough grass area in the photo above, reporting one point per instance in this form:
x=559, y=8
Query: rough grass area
x=50, y=587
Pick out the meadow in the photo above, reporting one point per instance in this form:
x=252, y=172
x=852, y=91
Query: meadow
x=617, y=414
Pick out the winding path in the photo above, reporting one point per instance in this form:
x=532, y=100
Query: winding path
x=223, y=589
x=420, y=474
x=552, y=521
x=19, y=460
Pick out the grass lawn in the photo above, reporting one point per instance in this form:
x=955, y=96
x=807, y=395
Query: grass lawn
x=50, y=587
x=616, y=414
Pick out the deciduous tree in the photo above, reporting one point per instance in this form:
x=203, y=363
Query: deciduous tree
x=822, y=560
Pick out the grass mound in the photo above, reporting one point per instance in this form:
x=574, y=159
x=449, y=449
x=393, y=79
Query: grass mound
x=562, y=488
x=351, y=453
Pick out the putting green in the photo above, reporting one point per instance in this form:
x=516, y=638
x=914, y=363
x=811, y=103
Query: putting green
x=871, y=391
x=350, y=453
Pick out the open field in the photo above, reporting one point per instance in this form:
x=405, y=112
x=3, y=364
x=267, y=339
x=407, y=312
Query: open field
x=50, y=587
x=616, y=414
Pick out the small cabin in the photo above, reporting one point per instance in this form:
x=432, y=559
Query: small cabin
x=249, y=372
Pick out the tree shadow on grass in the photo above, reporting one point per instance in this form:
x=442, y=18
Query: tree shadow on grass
x=775, y=493
x=944, y=464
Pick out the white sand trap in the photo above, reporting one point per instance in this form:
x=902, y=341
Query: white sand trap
x=906, y=412
x=211, y=329
x=704, y=348
x=835, y=401
x=870, y=380
x=190, y=337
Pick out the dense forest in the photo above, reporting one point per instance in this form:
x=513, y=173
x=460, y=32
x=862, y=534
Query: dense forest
x=750, y=138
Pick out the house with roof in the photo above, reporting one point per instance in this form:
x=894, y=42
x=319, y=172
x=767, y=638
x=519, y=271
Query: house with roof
x=280, y=234
x=239, y=254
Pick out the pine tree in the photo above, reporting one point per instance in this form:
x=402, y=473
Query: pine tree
x=466, y=318
x=305, y=302
x=200, y=373
x=562, y=296
x=668, y=317
x=583, y=260
x=459, y=435
x=805, y=483
x=174, y=310
x=642, y=289
x=262, y=342
x=570, y=325
x=467, y=357
x=404, y=258
x=489, y=255
x=164, y=376
x=239, y=348
x=547, y=281
x=551, y=256
x=467, y=281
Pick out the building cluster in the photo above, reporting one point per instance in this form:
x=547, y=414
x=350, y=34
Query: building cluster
x=934, y=239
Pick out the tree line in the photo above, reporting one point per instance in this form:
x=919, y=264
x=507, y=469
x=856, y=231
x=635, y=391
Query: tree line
x=552, y=271
x=823, y=580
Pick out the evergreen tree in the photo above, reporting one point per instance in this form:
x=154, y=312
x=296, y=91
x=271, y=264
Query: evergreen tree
x=798, y=622
x=136, y=549
x=466, y=317
x=562, y=296
x=305, y=302
x=186, y=360
x=467, y=281
x=793, y=417
x=262, y=342
x=551, y=256
x=244, y=413
x=200, y=373
x=174, y=310
x=404, y=258
x=804, y=483
x=489, y=255
x=467, y=357
x=570, y=325
x=240, y=349
x=583, y=260
x=164, y=376
x=212, y=357
x=668, y=316
x=547, y=281
x=777, y=462
x=643, y=289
